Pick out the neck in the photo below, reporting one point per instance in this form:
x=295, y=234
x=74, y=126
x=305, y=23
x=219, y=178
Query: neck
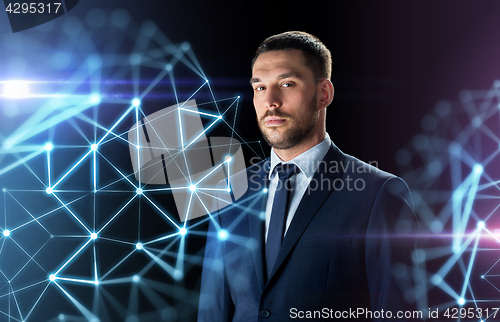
x=308, y=143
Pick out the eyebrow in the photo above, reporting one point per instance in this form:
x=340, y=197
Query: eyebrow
x=282, y=76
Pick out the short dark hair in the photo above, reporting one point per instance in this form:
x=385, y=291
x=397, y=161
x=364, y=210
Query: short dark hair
x=318, y=58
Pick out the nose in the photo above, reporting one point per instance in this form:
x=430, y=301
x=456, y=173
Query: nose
x=272, y=98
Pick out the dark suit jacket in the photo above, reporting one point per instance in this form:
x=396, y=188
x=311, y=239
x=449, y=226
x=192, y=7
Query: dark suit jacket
x=344, y=249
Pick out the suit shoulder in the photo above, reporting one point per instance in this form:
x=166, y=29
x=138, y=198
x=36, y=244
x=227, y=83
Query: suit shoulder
x=375, y=178
x=370, y=170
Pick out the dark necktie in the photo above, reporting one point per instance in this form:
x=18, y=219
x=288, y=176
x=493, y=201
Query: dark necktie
x=278, y=214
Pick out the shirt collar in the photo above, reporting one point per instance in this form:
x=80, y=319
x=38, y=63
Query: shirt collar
x=307, y=161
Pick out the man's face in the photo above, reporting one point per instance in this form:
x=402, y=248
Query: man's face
x=285, y=98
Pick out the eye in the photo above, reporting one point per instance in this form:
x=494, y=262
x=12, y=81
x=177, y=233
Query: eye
x=259, y=88
x=286, y=85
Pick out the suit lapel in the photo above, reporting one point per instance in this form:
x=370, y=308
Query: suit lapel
x=257, y=182
x=310, y=203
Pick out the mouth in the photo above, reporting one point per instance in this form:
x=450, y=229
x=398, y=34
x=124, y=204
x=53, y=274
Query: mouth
x=274, y=121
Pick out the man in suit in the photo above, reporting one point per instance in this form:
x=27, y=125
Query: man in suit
x=319, y=234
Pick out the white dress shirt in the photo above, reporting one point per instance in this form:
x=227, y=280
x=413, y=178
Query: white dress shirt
x=307, y=162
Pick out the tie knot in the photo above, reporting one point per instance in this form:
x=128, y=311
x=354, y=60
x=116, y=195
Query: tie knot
x=285, y=171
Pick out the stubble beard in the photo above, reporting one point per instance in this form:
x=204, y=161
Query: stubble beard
x=293, y=135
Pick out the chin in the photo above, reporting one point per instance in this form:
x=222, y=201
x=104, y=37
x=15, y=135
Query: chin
x=279, y=142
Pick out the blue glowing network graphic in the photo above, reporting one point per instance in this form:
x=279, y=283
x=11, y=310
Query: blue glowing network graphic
x=452, y=169
x=84, y=237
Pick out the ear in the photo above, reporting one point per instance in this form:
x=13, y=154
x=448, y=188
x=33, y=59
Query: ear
x=326, y=93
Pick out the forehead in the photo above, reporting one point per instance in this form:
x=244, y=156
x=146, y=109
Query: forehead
x=280, y=61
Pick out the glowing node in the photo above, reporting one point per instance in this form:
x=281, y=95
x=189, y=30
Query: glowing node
x=476, y=121
x=192, y=187
x=219, y=117
x=461, y=301
x=136, y=278
x=206, y=81
x=480, y=224
x=478, y=169
x=139, y=246
x=436, y=279
x=222, y=234
x=482, y=276
x=228, y=189
x=95, y=98
x=96, y=283
x=93, y=236
x=6, y=233
x=4, y=190
x=265, y=190
x=48, y=146
x=49, y=190
x=139, y=191
x=238, y=97
x=16, y=89
x=228, y=159
x=177, y=275
x=7, y=144
x=183, y=231
x=137, y=146
x=52, y=277
x=454, y=148
x=136, y=102
x=94, y=147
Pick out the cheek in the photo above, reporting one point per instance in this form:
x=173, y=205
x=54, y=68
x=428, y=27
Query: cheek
x=259, y=110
